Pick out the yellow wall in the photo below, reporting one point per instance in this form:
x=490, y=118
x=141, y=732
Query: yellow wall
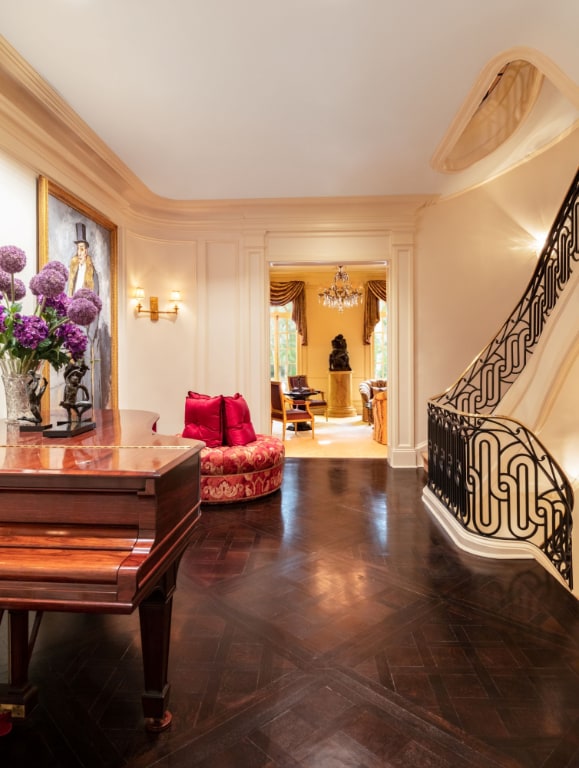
x=324, y=324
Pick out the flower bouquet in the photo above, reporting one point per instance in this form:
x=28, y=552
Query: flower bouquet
x=52, y=333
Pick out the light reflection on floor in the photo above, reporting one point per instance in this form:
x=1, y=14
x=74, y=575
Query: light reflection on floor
x=336, y=438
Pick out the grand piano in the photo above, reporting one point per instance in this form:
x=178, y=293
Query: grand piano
x=95, y=523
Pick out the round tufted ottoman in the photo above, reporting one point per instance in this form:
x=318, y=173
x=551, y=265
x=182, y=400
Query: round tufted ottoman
x=242, y=472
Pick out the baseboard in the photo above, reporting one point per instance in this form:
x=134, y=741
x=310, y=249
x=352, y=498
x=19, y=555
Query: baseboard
x=403, y=458
x=481, y=545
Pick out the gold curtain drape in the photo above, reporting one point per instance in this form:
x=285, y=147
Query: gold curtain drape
x=374, y=291
x=294, y=291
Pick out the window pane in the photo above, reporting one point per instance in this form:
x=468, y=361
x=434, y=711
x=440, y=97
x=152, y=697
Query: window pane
x=284, y=343
x=380, y=344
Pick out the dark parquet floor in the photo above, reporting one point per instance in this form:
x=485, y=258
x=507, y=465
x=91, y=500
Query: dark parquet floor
x=331, y=625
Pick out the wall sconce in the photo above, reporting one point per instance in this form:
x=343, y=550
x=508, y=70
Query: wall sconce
x=539, y=241
x=154, y=310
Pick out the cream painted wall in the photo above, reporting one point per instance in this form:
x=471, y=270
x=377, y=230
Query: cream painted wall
x=475, y=254
x=155, y=360
x=217, y=344
x=231, y=353
x=18, y=206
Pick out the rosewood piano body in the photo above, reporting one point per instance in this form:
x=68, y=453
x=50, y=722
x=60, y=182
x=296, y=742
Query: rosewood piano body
x=95, y=523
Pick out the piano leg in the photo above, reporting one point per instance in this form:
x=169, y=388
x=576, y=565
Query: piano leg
x=18, y=696
x=155, y=619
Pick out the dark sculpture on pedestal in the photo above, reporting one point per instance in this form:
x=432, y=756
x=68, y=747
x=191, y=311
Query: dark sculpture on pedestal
x=31, y=420
x=76, y=401
x=36, y=388
x=339, y=358
x=72, y=389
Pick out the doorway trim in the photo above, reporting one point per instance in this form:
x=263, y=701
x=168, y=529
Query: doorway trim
x=396, y=248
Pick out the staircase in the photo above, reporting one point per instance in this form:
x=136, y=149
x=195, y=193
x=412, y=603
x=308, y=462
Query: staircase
x=492, y=482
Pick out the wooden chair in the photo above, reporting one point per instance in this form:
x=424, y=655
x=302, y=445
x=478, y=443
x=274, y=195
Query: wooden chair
x=285, y=409
x=316, y=402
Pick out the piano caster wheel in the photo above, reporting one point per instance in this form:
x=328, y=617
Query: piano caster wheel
x=158, y=724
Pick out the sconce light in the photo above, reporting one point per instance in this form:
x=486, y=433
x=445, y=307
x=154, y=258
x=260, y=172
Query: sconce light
x=539, y=241
x=154, y=310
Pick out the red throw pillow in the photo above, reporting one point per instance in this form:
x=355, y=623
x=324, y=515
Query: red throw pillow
x=204, y=418
x=238, y=427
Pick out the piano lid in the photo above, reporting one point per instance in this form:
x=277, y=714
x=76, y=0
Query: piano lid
x=123, y=441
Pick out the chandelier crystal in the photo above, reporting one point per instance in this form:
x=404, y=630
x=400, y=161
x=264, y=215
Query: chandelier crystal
x=340, y=294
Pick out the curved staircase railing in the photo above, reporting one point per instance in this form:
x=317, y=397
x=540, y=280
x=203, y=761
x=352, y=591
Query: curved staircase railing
x=496, y=477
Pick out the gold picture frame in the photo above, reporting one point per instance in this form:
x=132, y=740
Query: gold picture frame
x=63, y=222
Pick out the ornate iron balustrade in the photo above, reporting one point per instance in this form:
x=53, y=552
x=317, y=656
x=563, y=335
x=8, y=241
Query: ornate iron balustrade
x=495, y=477
x=499, y=481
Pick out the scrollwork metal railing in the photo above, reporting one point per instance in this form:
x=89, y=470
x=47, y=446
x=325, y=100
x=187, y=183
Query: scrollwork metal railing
x=500, y=482
x=491, y=472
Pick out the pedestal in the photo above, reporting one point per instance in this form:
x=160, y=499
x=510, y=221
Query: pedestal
x=340, y=394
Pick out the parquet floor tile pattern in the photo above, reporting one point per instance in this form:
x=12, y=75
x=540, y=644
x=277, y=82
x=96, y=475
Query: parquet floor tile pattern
x=330, y=625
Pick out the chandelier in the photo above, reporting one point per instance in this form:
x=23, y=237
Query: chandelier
x=340, y=293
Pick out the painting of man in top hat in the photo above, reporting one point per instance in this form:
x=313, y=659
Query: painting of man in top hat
x=82, y=273
x=85, y=242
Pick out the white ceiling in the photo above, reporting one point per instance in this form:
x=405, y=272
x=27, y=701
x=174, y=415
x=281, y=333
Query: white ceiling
x=227, y=99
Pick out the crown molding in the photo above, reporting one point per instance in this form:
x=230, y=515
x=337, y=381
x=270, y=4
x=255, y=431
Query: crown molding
x=44, y=133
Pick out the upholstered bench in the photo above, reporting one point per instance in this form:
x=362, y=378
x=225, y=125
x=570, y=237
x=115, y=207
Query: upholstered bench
x=241, y=472
x=236, y=463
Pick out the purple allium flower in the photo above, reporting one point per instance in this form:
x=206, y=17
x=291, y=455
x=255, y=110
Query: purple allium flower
x=5, y=281
x=86, y=293
x=34, y=287
x=19, y=290
x=12, y=259
x=48, y=282
x=30, y=331
x=56, y=326
x=73, y=338
x=82, y=311
x=59, y=303
x=58, y=266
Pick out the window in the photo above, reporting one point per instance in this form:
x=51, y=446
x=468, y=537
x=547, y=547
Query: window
x=508, y=98
x=283, y=353
x=380, y=344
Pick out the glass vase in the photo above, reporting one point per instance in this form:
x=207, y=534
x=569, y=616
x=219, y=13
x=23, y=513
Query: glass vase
x=17, y=400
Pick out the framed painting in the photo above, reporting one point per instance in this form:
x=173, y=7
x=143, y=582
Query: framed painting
x=85, y=241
